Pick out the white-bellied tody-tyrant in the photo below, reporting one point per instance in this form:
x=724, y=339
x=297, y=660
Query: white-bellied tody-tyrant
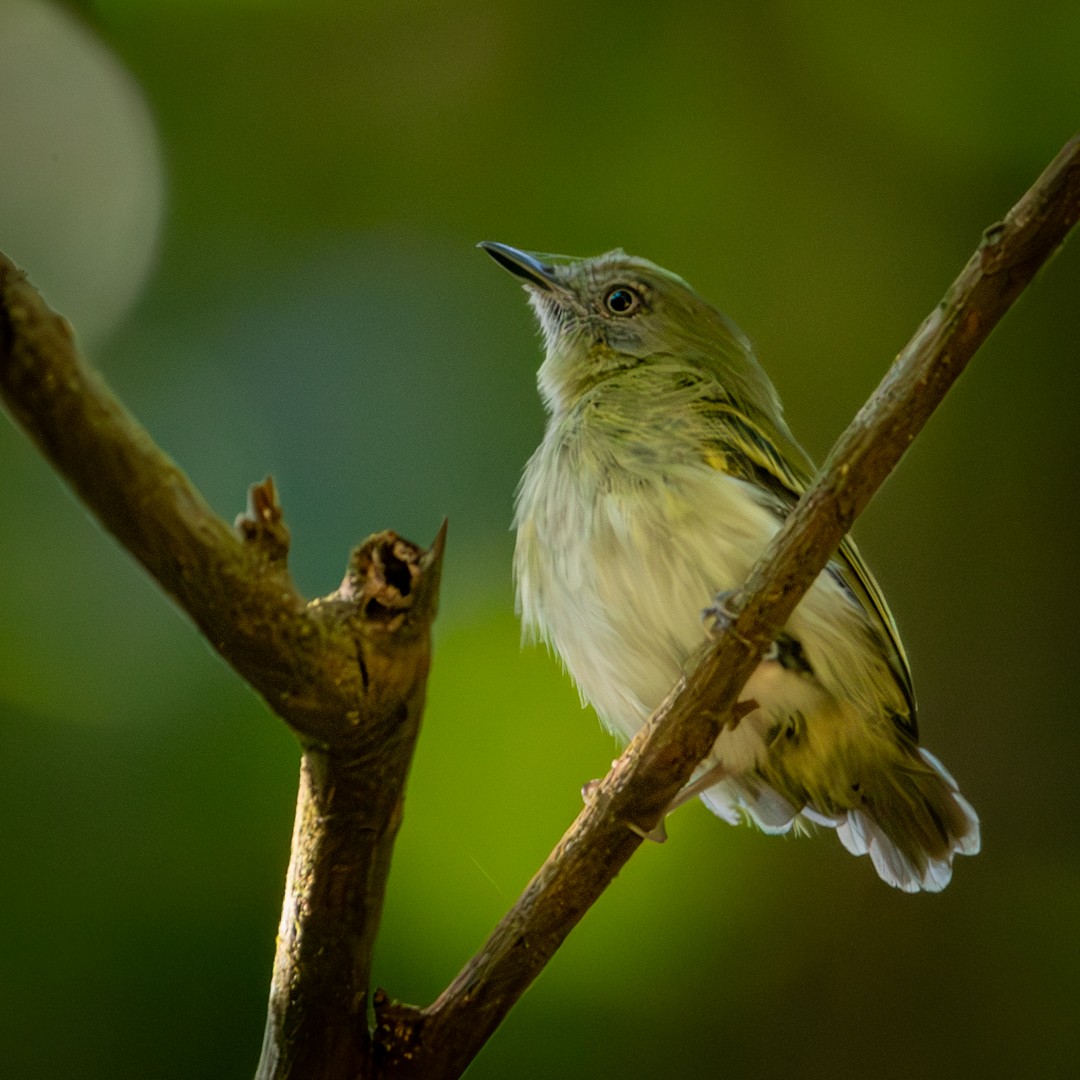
x=665, y=469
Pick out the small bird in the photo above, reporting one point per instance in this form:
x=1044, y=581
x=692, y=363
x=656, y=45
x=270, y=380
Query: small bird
x=665, y=469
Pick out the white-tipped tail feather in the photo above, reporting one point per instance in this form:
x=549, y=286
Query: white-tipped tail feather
x=735, y=801
x=861, y=835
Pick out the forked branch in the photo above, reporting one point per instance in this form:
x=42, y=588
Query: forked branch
x=347, y=673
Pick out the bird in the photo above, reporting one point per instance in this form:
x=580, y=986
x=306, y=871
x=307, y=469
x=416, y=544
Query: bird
x=665, y=468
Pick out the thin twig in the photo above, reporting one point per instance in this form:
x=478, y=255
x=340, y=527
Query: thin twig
x=438, y=1042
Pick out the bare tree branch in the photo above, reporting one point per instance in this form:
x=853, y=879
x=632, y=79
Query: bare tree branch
x=347, y=673
x=438, y=1042
x=348, y=811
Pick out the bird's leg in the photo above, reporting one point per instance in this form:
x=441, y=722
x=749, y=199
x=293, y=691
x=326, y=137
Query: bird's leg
x=658, y=834
x=713, y=775
x=717, y=771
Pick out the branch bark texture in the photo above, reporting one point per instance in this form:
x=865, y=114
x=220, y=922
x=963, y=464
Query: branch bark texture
x=438, y=1042
x=347, y=673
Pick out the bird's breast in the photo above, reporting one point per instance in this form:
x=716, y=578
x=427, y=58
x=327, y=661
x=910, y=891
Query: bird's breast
x=616, y=559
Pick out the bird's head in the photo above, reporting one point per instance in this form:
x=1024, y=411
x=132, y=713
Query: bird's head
x=614, y=312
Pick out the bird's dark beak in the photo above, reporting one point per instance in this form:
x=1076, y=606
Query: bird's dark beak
x=523, y=264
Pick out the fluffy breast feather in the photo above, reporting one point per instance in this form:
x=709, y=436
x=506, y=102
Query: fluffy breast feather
x=616, y=559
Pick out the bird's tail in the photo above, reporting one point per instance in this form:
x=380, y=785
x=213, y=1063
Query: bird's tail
x=909, y=817
x=911, y=823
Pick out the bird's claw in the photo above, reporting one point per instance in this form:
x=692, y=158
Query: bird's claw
x=719, y=617
x=719, y=611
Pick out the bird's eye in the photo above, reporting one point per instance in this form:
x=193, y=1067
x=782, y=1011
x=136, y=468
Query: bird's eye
x=622, y=300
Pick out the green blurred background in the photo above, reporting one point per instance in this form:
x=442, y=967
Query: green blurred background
x=261, y=219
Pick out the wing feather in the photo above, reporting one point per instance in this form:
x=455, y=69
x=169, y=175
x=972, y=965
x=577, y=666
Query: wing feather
x=775, y=462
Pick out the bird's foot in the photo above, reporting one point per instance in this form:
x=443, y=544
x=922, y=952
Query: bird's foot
x=719, y=616
x=657, y=834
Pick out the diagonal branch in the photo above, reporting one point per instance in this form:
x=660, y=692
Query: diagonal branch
x=347, y=673
x=438, y=1042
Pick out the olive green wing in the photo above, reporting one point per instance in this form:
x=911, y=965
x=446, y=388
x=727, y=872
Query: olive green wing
x=773, y=461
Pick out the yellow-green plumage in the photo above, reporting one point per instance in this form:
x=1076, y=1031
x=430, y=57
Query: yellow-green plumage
x=665, y=469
